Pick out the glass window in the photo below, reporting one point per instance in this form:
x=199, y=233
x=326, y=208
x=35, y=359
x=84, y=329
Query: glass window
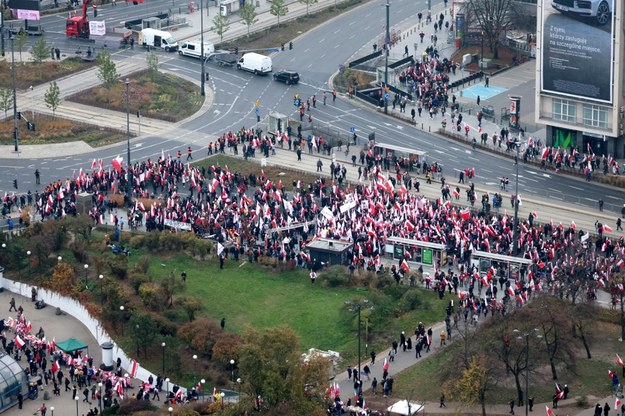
x=564, y=110
x=595, y=116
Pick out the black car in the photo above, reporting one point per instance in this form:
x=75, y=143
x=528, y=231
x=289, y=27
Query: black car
x=288, y=77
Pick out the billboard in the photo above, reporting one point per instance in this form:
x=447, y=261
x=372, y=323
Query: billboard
x=577, y=49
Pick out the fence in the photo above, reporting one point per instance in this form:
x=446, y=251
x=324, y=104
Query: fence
x=78, y=311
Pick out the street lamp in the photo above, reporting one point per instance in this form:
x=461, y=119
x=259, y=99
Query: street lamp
x=52, y=410
x=232, y=369
x=28, y=253
x=76, y=400
x=239, y=381
x=101, y=277
x=32, y=103
x=129, y=174
x=86, y=275
x=359, y=306
x=170, y=410
x=482, y=53
x=121, y=312
x=527, y=353
x=59, y=258
x=202, y=381
x=194, y=366
x=387, y=43
x=137, y=338
x=163, y=345
x=167, y=391
x=516, y=202
x=222, y=395
x=16, y=139
x=203, y=59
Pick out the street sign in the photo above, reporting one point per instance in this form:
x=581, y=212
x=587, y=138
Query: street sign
x=352, y=129
x=297, y=103
x=387, y=96
x=256, y=109
x=272, y=50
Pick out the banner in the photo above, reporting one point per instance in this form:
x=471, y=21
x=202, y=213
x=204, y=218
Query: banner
x=577, y=51
x=97, y=28
x=179, y=225
x=515, y=112
x=27, y=14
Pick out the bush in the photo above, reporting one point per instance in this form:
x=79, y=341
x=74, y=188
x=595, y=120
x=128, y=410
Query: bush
x=165, y=326
x=136, y=280
x=151, y=295
x=143, y=265
x=119, y=266
x=410, y=300
x=129, y=406
x=334, y=276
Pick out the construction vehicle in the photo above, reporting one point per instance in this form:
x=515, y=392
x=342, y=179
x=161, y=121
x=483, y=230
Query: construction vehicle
x=78, y=26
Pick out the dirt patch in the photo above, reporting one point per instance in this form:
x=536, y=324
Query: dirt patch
x=156, y=95
x=32, y=74
x=49, y=130
x=351, y=77
x=505, y=59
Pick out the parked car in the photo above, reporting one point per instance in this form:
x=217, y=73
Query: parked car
x=599, y=10
x=286, y=76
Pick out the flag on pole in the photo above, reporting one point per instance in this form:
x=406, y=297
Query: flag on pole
x=617, y=403
x=385, y=366
x=117, y=163
x=549, y=411
x=55, y=367
x=134, y=367
x=619, y=361
x=19, y=342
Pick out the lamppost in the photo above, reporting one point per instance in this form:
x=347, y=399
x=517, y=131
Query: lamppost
x=121, y=313
x=194, y=366
x=86, y=275
x=59, y=258
x=516, y=201
x=527, y=353
x=163, y=345
x=203, y=58
x=482, y=53
x=232, y=369
x=202, y=381
x=387, y=42
x=359, y=306
x=167, y=391
x=101, y=277
x=76, y=400
x=137, y=338
x=170, y=410
x=222, y=395
x=239, y=381
x=32, y=103
x=129, y=174
x=15, y=129
x=52, y=410
x=100, y=398
x=28, y=253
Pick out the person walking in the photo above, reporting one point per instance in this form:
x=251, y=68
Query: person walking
x=442, y=400
x=374, y=386
x=189, y=153
x=511, y=403
x=478, y=100
x=37, y=177
x=319, y=165
x=12, y=305
x=372, y=357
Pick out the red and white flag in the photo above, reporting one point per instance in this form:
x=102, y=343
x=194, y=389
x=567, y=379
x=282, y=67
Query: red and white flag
x=117, y=163
x=134, y=367
x=617, y=403
x=549, y=411
x=55, y=367
x=29, y=327
x=619, y=361
x=385, y=365
x=607, y=229
x=120, y=390
x=19, y=342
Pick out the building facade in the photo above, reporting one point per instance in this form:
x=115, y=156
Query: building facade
x=580, y=94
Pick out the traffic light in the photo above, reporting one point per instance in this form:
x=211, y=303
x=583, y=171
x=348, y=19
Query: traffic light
x=15, y=183
x=290, y=45
x=282, y=47
x=19, y=115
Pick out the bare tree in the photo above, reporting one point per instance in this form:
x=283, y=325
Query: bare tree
x=493, y=17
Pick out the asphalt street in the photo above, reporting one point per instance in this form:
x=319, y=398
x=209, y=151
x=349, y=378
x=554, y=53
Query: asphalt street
x=316, y=56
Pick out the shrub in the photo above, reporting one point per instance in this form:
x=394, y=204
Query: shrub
x=334, y=276
x=410, y=300
x=119, y=266
x=165, y=326
x=200, y=335
x=151, y=295
x=128, y=407
x=136, y=280
x=143, y=265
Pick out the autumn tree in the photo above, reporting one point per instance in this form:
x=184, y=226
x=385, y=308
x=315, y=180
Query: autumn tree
x=474, y=383
x=201, y=335
x=169, y=287
x=63, y=279
x=269, y=361
x=493, y=17
x=553, y=316
x=190, y=305
x=583, y=321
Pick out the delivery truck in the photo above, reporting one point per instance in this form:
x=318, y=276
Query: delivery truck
x=193, y=48
x=157, y=39
x=255, y=62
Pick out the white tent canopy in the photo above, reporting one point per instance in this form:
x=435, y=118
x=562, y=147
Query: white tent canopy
x=404, y=407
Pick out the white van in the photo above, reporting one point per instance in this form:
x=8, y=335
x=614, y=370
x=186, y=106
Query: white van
x=158, y=39
x=255, y=62
x=193, y=48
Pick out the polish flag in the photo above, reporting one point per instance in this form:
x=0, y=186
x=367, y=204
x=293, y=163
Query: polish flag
x=404, y=266
x=617, y=403
x=117, y=163
x=465, y=214
x=607, y=229
x=120, y=390
x=134, y=367
x=511, y=291
x=19, y=342
x=70, y=360
x=385, y=365
x=29, y=327
x=94, y=164
x=544, y=156
x=337, y=389
x=199, y=387
x=619, y=361
x=55, y=367
x=549, y=411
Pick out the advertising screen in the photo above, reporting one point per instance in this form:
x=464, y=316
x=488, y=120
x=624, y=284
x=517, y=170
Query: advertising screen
x=577, y=52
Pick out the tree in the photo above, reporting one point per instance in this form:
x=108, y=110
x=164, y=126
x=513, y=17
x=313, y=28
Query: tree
x=107, y=70
x=169, y=286
x=152, y=60
x=20, y=40
x=52, y=97
x=553, y=315
x=493, y=17
x=583, y=322
x=248, y=15
x=144, y=330
x=201, y=335
x=222, y=25
x=40, y=50
x=308, y=3
x=278, y=8
x=474, y=383
x=190, y=306
x=6, y=100
x=63, y=279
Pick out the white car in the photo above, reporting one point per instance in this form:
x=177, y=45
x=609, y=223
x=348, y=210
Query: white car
x=599, y=10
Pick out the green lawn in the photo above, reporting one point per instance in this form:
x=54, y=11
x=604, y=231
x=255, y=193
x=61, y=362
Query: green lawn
x=255, y=296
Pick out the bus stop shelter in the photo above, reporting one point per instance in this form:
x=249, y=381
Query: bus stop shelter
x=511, y=265
x=421, y=252
x=396, y=152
